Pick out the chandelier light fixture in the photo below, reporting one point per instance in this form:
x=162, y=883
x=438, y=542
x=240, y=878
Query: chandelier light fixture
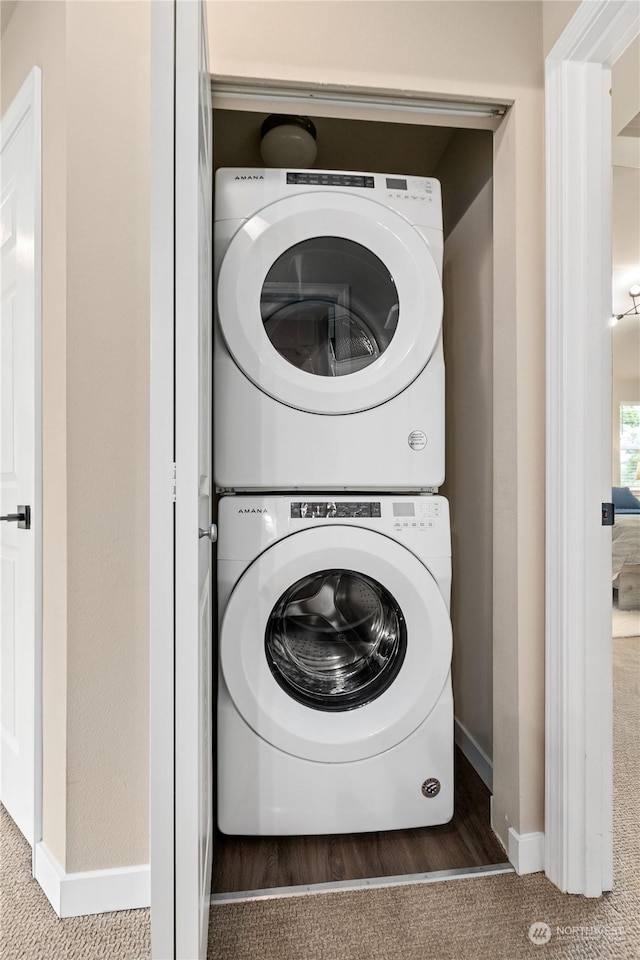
x=634, y=293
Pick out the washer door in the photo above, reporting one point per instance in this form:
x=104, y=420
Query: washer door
x=335, y=644
x=329, y=303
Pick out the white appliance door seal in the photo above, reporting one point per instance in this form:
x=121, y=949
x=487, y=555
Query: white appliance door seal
x=403, y=254
x=354, y=734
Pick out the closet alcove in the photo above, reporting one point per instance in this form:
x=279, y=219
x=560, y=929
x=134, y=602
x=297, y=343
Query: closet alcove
x=462, y=159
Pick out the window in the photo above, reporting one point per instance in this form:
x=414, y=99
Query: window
x=629, y=444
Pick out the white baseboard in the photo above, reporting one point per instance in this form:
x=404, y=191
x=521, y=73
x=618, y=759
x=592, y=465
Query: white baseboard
x=94, y=891
x=526, y=851
x=474, y=753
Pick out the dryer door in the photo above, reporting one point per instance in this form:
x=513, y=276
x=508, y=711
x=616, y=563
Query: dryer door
x=335, y=644
x=329, y=303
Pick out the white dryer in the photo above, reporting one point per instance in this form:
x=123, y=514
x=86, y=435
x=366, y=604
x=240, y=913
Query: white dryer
x=335, y=710
x=328, y=360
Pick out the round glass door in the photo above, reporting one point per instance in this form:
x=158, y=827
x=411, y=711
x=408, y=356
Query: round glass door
x=335, y=640
x=329, y=306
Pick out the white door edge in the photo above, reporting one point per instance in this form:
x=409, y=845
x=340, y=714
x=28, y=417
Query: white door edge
x=578, y=685
x=161, y=492
x=28, y=101
x=193, y=724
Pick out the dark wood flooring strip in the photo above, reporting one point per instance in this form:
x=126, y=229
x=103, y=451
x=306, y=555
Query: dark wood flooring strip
x=258, y=863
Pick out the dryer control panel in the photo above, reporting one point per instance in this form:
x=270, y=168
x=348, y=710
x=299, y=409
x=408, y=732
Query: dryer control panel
x=320, y=179
x=242, y=192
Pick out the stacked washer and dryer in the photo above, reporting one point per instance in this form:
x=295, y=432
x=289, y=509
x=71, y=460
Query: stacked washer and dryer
x=335, y=709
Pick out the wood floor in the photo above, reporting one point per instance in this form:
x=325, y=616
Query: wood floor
x=258, y=863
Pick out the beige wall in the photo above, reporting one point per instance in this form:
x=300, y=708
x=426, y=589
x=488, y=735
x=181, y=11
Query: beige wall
x=467, y=49
x=95, y=63
x=518, y=469
x=468, y=326
x=107, y=432
x=555, y=16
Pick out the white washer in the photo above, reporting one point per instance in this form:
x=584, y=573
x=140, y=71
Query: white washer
x=335, y=710
x=328, y=360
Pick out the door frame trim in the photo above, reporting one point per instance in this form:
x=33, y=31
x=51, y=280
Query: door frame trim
x=578, y=683
x=27, y=101
x=355, y=102
x=506, y=127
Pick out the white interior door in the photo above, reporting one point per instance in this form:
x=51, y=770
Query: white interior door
x=578, y=685
x=19, y=470
x=193, y=610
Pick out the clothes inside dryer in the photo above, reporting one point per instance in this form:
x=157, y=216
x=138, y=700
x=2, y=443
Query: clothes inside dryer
x=335, y=640
x=329, y=306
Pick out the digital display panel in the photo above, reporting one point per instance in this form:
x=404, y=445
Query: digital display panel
x=313, y=509
x=404, y=510
x=396, y=184
x=332, y=180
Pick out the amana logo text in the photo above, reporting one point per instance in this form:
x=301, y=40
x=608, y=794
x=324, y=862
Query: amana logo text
x=260, y=177
x=252, y=510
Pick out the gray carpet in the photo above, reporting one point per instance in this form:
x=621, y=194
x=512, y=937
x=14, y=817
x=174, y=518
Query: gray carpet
x=475, y=919
x=30, y=930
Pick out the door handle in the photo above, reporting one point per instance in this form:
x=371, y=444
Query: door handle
x=211, y=532
x=22, y=517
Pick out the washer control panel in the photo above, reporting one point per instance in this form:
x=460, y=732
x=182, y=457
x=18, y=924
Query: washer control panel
x=248, y=524
x=314, y=509
x=404, y=514
x=416, y=515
